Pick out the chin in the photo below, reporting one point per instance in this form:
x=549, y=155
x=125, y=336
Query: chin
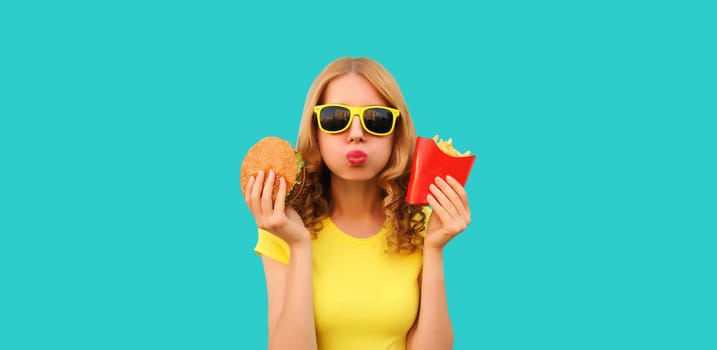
x=353, y=173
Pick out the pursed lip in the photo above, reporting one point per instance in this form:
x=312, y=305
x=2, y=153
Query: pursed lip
x=356, y=157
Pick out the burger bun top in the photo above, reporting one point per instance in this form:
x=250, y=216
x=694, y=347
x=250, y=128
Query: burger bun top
x=270, y=153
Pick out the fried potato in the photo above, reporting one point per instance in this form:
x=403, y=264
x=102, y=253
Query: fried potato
x=447, y=147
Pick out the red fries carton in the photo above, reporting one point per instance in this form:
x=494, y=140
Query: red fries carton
x=430, y=161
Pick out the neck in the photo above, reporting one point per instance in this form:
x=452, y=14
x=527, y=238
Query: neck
x=356, y=200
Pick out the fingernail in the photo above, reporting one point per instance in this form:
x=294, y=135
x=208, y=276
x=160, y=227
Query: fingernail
x=450, y=177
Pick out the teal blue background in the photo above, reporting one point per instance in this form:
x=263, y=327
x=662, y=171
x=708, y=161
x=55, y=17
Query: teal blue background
x=123, y=124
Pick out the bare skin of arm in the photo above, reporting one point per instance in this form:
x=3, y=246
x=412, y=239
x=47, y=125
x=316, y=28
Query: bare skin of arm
x=289, y=287
x=290, y=296
x=432, y=329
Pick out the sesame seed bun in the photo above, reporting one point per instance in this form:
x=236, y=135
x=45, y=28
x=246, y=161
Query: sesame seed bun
x=277, y=154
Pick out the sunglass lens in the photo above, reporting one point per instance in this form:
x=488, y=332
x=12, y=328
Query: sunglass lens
x=378, y=120
x=334, y=118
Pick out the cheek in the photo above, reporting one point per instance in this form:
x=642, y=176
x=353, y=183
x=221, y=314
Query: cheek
x=385, y=149
x=323, y=143
x=327, y=149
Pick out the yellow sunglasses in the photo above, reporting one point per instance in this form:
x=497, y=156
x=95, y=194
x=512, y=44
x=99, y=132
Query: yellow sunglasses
x=376, y=120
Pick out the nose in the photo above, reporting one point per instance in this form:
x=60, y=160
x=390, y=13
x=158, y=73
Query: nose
x=356, y=132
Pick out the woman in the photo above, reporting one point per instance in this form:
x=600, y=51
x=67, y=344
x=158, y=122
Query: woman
x=349, y=264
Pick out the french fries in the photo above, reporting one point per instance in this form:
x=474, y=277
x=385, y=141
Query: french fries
x=447, y=147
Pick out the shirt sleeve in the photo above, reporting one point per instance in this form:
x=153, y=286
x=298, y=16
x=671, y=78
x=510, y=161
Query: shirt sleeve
x=272, y=246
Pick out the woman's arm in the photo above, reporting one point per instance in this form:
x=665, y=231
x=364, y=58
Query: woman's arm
x=433, y=329
x=451, y=215
x=290, y=287
x=290, y=300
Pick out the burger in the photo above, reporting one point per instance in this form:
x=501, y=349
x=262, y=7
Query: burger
x=274, y=153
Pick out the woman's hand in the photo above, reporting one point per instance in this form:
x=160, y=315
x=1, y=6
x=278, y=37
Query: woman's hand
x=451, y=214
x=282, y=221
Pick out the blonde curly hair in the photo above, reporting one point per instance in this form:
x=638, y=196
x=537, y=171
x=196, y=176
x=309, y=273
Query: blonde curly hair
x=404, y=221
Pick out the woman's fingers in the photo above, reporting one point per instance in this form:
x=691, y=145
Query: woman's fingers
x=445, y=195
x=269, y=214
x=255, y=194
x=247, y=190
x=461, y=197
x=450, y=203
x=280, y=196
x=267, y=204
x=437, y=208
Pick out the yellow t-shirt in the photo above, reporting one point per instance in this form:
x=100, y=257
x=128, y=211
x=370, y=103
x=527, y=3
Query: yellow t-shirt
x=364, y=298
